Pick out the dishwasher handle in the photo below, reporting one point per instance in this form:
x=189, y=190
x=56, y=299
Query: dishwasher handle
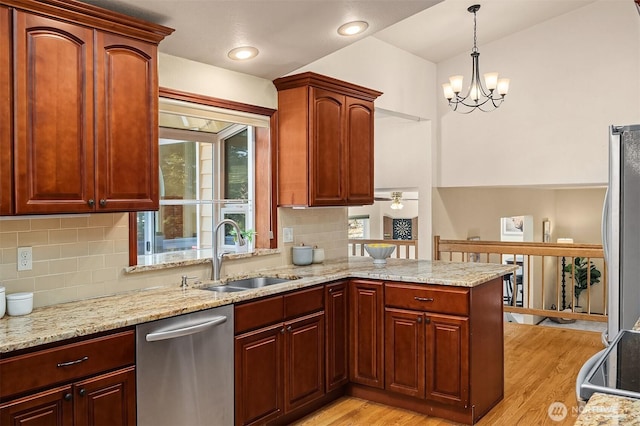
x=186, y=331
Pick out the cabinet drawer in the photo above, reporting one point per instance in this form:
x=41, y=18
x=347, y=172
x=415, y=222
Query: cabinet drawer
x=261, y=313
x=65, y=363
x=443, y=299
x=303, y=302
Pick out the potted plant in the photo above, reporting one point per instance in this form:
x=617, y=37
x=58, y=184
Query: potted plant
x=247, y=235
x=582, y=271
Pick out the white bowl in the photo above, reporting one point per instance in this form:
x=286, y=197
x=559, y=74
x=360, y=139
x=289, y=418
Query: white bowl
x=19, y=303
x=379, y=252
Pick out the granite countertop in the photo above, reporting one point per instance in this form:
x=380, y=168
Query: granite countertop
x=603, y=409
x=58, y=322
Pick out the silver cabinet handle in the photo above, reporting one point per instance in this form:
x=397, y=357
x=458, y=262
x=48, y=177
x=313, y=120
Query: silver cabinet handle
x=186, y=331
x=103, y=203
x=423, y=299
x=68, y=363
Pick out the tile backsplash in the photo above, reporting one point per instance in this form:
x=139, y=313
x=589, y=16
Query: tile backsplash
x=84, y=256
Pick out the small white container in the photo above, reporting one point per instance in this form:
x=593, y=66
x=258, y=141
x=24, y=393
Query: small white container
x=3, y=302
x=19, y=304
x=302, y=255
x=318, y=255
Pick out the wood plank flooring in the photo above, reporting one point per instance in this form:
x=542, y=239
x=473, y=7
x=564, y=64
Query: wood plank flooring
x=541, y=365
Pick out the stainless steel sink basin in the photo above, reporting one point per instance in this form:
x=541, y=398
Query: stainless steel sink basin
x=224, y=288
x=247, y=284
x=256, y=282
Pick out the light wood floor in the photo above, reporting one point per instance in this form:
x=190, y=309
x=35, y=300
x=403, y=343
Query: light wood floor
x=541, y=365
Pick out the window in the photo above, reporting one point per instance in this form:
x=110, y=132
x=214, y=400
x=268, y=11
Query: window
x=359, y=227
x=208, y=171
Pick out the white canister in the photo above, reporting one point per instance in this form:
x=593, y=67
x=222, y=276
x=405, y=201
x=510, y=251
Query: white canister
x=318, y=255
x=302, y=255
x=3, y=302
x=19, y=304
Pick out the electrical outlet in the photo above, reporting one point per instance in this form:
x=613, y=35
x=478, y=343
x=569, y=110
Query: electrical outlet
x=25, y=259
x=287, y=235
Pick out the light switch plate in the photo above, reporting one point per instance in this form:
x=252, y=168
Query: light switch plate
x=287, y=235
x=25, y=259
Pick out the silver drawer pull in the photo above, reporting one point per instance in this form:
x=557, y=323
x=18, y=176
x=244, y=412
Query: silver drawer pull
x=77, y=361
x=423, y=299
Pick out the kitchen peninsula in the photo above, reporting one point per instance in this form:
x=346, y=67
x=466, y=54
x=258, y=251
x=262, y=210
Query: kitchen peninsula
x=449, y=314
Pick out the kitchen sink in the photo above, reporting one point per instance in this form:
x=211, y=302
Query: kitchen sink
x=257, y=282
x=248, y=283
x=224, y=289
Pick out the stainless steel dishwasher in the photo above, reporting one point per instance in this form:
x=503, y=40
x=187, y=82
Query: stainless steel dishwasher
x=184, y=369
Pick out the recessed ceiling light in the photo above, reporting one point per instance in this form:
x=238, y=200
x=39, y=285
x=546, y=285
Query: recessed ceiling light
x=243, y=53
x=353, y=28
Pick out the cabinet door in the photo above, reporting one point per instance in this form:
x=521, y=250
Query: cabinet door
x=405, y=352
x=109, y=399
x=304, y=360
x=54, y=115
x=337, y=326
x=127, y=124
x=448, y=359
x=50, y=408
x=366, y=319
x=258, y=375
x=6, y=159
x=327, y=152
x=359, y=144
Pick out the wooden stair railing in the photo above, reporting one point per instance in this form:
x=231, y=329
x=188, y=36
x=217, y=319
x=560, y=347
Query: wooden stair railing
x=405, y=249
x=536, y=275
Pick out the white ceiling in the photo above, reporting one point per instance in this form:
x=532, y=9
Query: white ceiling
x=294, y=33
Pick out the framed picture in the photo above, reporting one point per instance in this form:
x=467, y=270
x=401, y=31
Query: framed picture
x=546, y=231
x=513, y=225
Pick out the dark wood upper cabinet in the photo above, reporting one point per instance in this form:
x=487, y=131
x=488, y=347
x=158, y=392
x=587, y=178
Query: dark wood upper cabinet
x=127, y=126
x=6, y=126
x=325, y=141
x=85, y=109
x=54, y=154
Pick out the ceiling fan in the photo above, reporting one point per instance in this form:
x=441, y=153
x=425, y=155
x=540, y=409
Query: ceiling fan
x=396, y=199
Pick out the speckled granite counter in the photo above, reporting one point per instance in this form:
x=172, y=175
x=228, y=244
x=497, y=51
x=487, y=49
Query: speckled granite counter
x=609, y=410
x=54, y=323
x=603, y=409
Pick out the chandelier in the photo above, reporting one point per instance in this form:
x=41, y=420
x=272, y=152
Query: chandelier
x=477, y=96
x=396, y=203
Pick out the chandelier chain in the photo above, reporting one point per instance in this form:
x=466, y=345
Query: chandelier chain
x=475, y=36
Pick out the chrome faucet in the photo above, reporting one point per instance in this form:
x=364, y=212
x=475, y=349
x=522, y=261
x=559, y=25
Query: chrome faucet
x=216, y=260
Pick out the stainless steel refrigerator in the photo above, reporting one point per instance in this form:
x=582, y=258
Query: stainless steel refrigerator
x=621, y=229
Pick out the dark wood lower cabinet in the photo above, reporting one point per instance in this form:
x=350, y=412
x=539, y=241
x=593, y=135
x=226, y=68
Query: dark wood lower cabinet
x=259, y=364
x=337, y=334
x=108, y=399
x=433, y=349
x=279, y=368
x=447, y=359
x=51, y=408
x=304, y=360
x=366, y=333
x=405, y=352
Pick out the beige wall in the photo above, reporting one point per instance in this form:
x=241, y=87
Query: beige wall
x=571, y=77
x=459, y=213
